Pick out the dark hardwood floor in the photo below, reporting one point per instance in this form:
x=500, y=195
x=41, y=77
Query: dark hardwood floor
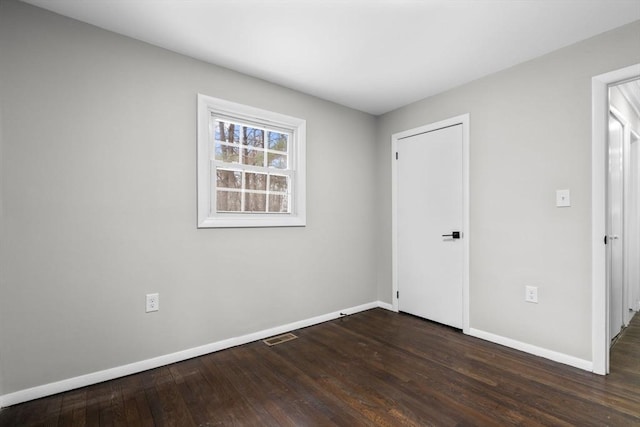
x=373, y=368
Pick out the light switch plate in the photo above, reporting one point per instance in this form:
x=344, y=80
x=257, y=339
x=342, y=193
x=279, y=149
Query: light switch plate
x=563, y=198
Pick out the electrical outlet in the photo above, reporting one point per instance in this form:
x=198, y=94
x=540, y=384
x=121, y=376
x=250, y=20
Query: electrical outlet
x=531, y=294
x=153, y=302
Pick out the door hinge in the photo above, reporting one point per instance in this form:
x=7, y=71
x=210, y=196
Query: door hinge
x=398, y=294
x=396, y=155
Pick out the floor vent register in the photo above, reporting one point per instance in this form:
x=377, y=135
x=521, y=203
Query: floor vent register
x=279, y=339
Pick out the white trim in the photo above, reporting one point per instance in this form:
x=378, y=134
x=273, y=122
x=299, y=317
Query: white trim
x=464, y=120
x=206, y=106
x=532, y=349
x=634, y=305
x=386, y=306
x=143, y=365
x=465, y=221
x=599, y=292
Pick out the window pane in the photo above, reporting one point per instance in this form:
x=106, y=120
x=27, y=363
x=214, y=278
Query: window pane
x=278, y=203
x=253, y=157
x=255, y=202
x=253, y=137
x=228, y=201
x=278, y=183
x=278, y=161
x=256, y=181
x=228, y=179
x=226, y=153
x=228, y=132
x=278, y=141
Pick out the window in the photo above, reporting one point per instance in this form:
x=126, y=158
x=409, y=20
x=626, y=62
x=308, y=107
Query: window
x=250, y=166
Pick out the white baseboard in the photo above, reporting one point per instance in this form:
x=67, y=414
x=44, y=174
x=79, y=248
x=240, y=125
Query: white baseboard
x=143, y=365
x=532, y=349
x=386, y=306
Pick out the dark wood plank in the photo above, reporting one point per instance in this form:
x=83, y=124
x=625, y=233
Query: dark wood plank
x=135, y=404
x=74, y=408
x=375, y=368
x=95, y=394
x=304, y=403
x=231, y=400
x=166, y=404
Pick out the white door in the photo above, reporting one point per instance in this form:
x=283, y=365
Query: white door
x=430, y=260
x=615, y=231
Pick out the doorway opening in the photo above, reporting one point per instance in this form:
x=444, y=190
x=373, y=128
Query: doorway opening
x=615, y=250
x=623, y=256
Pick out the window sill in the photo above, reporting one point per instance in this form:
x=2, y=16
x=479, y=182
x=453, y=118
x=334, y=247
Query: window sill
x=242, y=221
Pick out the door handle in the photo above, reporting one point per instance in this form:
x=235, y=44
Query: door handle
x=453, y=235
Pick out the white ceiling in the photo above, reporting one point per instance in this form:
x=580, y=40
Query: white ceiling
x=371, y=55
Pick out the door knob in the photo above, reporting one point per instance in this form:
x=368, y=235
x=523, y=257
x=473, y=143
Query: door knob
x=453, y=235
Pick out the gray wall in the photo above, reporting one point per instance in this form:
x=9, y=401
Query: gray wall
x=99, y=192
x=530, y=135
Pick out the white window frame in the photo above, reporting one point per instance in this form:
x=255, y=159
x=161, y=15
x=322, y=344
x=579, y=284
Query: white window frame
x=208, y=107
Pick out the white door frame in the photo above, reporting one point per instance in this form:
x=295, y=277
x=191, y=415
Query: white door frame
x=599, y=292
x=632, y=301
x=464, y=121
